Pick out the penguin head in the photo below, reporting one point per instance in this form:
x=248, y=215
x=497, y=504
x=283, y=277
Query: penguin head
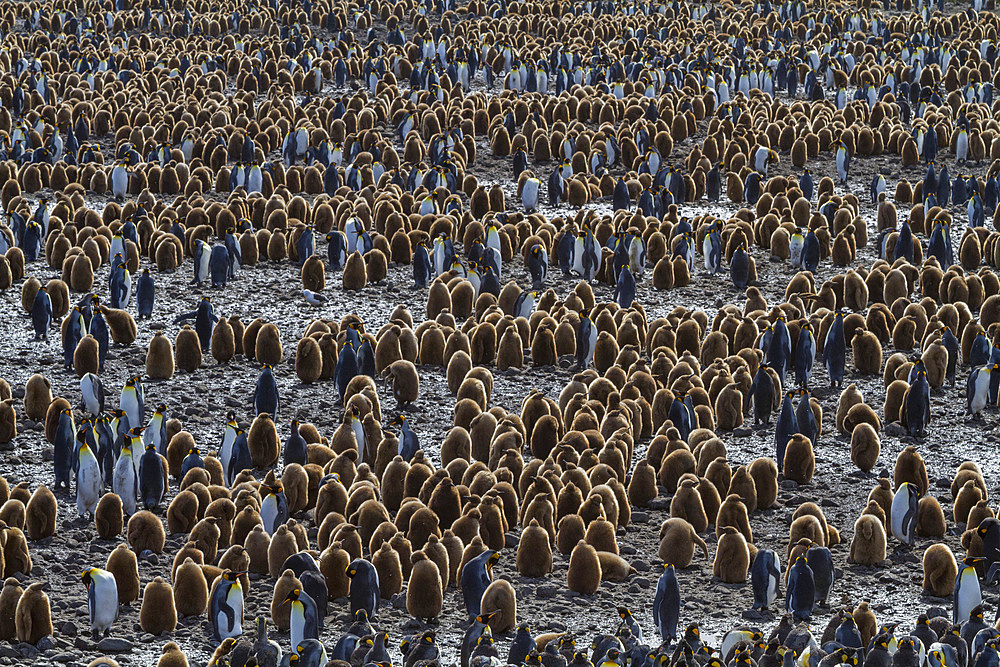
x=293, y=596
x=232, y=576
x=88, y=576
x=493, y=559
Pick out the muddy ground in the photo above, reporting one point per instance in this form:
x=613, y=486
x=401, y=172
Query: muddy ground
x=272, y=291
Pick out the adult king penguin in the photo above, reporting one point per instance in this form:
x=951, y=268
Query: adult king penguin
x=102, y=600
x=225, y=609
x=903, y=513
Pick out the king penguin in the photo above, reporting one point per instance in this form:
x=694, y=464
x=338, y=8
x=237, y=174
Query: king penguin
x=64, y=446
x=476, y=578
x=151, y=478
x=967, y=595
x=765, y=578
x=92, y=394
x=977, y=390
x=225, y=609
x=586, y=340
x=125, y=482
x=102, y=600
x=364, y=591
x=265, y=395
x=304, y=618
x=472, y=634
x=801, y=594
x=274, y=508
x=88, y=480
x=903, y=513
x=835, y=351
x=711, y=248
x=667, y=604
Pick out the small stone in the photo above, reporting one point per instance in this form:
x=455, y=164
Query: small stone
x=640, y=565
x=640, y=517
x=115, y=645
x=63, y=657
x=546, y=592
x=48, y=453
x=68, y=629
x=46, y=643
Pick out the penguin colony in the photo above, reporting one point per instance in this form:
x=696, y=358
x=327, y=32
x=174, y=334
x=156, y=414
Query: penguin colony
x=557, y=186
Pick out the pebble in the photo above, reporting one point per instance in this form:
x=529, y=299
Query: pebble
x=115, y=645
x=546, y=592
x=640, y=517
